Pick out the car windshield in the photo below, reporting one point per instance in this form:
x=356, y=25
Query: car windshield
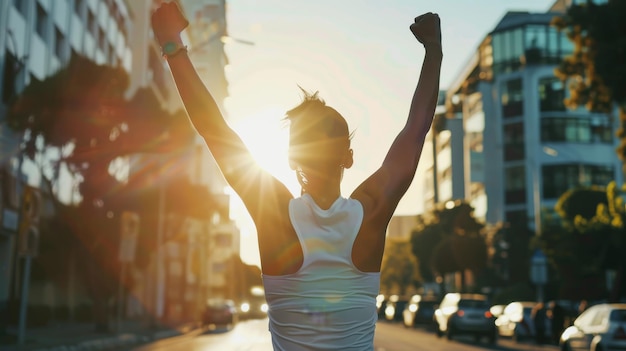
x=473, y=304
x=618, y=316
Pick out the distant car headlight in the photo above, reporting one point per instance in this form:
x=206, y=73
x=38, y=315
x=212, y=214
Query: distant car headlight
x=390, y=311
x=245, y=307
x=567, y=333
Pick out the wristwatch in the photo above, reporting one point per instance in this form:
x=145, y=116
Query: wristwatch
x=172, y=48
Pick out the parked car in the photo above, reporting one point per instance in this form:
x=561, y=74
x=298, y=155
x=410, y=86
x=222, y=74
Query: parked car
x=516, y=320
x=420, y=311
x=220, y=313
x=465, y=314
x=600, y=327
x=394, y=308
x=497, y=310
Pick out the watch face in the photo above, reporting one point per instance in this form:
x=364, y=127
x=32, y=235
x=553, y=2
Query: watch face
x=169, y=48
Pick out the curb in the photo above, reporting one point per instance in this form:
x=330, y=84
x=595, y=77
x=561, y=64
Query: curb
x=116, y=342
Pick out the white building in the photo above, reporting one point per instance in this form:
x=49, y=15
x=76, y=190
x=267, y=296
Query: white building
x=522, y=148
x=38, y=37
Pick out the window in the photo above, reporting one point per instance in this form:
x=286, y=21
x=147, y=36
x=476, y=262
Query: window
x=59, y=44
x=42, y=21
x=576, y=130
x=557, y=179
x=92, y=26
x=9, y=77
x=535, y=43
x=78, y=7
x=514, y=141
x=515, y=185
x=512, y=98
x=102, y=40
x=517, y=217
x=551, y=94
x=21, y=6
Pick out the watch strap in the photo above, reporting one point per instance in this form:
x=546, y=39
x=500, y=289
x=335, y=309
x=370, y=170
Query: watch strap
x=172, y=48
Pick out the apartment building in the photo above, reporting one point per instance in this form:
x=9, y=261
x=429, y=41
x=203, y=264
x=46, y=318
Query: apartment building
x=522, y=148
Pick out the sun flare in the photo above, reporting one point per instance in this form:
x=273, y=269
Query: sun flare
x=267, y=138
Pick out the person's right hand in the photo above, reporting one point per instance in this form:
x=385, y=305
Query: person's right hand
x=167, y=22
x=427, y=29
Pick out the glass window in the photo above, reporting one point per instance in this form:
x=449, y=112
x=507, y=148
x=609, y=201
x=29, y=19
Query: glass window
x=618, y=315
x=59, y=45
x=21, y=6
x=551, y=94
x=552, y=46
x=557, y=179
x=514, y=141
x=41, y=21
x=92, y=26
x=515, y=185
x=9, y=77
x=512, y=98
x=78, y=6
x=576, y=130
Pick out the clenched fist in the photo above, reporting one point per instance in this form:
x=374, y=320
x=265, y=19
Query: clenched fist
x=427, y=29
x=168, y=22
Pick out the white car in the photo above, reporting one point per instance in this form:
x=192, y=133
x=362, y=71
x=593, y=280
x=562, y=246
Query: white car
x=600, y=327
x=516, y=320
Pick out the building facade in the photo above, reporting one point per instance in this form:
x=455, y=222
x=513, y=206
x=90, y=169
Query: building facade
x=522, y=148
x=37, y=38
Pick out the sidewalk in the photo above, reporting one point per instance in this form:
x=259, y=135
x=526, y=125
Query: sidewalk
x=78, y=337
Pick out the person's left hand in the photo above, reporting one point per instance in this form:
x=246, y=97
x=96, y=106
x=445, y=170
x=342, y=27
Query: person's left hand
x=427, y=29
x=168, y=22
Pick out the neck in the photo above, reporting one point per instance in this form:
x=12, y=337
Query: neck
x=324, y=187
x=324, y=200
x=324, y=193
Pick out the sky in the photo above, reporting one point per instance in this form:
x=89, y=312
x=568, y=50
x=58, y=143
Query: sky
x=362, y=59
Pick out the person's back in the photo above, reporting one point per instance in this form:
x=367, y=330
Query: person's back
x=328, y=302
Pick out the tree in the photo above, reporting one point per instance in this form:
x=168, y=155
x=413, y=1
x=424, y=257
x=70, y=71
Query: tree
x=399, y=268
x=79, y=119
x=450, y=240
x=584, y=245
x=596, y=69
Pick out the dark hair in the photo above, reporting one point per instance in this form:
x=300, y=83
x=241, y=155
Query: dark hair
x=312, y=117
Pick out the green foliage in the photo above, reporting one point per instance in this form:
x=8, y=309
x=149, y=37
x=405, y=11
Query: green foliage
x=596, y=71
x=587, y=241
x=580, y=202
x=597, y=64
x=449, y=240
x=399, y=268
x=80, y=118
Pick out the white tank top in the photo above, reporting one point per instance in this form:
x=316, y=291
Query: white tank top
x=328, y=304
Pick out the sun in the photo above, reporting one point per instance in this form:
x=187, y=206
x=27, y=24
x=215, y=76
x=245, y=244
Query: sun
x=267, y=138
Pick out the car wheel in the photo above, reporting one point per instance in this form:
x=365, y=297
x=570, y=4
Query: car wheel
x=565, y=347
x=450, y=333
x=491, y=338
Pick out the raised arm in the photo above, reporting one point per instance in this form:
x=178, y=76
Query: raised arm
x=231, y=154
x=389, y=183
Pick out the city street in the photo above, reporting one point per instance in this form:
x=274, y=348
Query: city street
x=253, y=335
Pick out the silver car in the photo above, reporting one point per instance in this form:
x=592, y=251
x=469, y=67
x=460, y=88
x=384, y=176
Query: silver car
x=600, y=327
x=465, y=314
